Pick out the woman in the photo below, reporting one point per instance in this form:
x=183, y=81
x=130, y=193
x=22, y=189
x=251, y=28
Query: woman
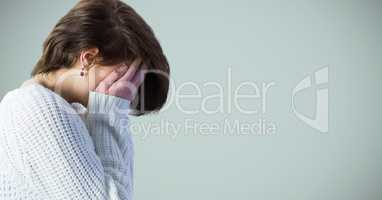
x=64, y=133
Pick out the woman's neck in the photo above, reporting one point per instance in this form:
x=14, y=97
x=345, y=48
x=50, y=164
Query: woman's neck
x=60, y=82
x=48, y=80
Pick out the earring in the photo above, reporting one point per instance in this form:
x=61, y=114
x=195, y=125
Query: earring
x=82, y=73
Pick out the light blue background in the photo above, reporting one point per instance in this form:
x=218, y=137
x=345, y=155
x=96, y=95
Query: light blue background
x=262, y=41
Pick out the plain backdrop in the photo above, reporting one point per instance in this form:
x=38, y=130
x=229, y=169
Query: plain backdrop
x=256, y=41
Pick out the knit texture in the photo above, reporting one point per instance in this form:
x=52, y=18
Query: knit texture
x=50, y=149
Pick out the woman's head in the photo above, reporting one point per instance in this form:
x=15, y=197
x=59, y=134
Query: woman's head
x=108, y=33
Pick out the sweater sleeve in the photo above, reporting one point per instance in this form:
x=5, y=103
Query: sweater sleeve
x=107, y=122
x=63, y=163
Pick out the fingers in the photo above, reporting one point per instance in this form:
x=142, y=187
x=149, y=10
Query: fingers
x=105, y=84
x=132, y=70
x=124, y=81
x=139, y=77
x=115, y=75
x=126, y=90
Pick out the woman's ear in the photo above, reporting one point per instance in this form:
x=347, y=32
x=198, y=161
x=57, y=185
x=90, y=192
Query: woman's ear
x=88, y=56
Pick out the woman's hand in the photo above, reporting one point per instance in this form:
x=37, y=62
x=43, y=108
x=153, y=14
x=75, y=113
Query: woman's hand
x=124, y=81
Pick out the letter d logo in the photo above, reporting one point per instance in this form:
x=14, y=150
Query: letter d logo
x=321, y=119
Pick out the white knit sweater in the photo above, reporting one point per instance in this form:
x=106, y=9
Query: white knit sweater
x=48, y=150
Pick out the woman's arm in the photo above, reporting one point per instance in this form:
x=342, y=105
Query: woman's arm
x=59, y=160
x=107, y=122
x=62, y=161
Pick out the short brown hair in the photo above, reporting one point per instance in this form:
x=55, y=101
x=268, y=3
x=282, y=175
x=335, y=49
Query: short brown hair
x=120, y=34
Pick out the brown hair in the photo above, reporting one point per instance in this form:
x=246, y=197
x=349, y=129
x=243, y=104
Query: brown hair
x=120, y=34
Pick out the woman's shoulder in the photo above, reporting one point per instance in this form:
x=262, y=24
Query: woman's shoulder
x=34, y=98
x=34, y=109
x=26, y=94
